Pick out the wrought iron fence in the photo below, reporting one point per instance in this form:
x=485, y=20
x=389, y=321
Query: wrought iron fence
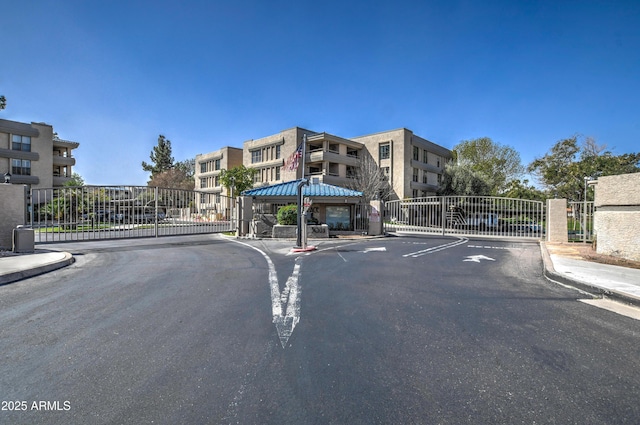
x=108, y=212
x=361, y=218
x=467, y=215
x=580, y=221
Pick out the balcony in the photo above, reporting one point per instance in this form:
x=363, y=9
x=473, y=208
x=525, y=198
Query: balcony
x=60, y=181
x=330, y=156
x=63, y=160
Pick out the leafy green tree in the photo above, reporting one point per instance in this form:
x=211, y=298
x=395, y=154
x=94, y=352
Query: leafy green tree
x=521, y=189
x=161, y=159
x=75, y=181
x=563, y=169
x=462, y=180
x=3, y=102
x=237, y=179
x=187, y=167
x=499, y=164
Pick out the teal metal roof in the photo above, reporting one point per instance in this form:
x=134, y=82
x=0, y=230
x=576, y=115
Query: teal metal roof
x=291, y=189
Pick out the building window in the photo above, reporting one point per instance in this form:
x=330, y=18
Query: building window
x=216, y=164
x=438, y=162
x=256, y=156
x=21, y=143
x=415, y=174
x=278, y=172
x=439, y=178
x=203, y=198
x=203, y=183
x=387, y=172
x=424, y=177
x=425, y=156
x=416, y=153
x=414, y=193
x=278, y=152
x=21, y=167
x=352, y=172
x=203, y=167
x=384, y=151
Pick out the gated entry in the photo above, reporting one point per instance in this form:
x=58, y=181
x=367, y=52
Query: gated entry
x=108, y=212
x=467, y=215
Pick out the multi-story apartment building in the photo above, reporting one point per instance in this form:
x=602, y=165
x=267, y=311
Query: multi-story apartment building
x=413, y=165
x=207, y=177
x=268, y=155
x=34, y=155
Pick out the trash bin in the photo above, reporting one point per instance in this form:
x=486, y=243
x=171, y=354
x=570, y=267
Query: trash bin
x=23, y=239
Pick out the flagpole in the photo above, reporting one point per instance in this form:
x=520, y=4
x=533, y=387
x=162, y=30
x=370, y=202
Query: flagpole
x=299, y=242
x=304, y=152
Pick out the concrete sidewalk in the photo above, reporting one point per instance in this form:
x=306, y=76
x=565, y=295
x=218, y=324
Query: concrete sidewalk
x=14, y=267
x=562, y=263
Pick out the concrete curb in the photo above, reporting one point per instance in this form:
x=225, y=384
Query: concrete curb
x=44, y=268
x=595, y=291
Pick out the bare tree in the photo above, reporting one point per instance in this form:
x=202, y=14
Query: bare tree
x=367, y=177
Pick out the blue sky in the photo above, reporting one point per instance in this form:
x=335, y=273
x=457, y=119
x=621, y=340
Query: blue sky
x=113, y=75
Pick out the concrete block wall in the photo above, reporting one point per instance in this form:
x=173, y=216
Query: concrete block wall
x=617, y=216
x=12, y=199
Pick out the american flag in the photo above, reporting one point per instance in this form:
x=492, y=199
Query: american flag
x=292, y=162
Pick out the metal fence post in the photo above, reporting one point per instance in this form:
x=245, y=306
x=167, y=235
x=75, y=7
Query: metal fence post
x=155, y=219
x=443, y=213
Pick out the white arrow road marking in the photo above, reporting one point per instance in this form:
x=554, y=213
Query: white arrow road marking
x=416, y=254
x=288, y=300
x=477, y=258
x=378, y=249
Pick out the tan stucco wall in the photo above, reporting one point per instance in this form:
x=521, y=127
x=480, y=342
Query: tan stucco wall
x=43, y=168
x=11, y=212
x=617, y=216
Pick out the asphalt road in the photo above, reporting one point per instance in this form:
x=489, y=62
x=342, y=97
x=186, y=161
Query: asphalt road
x=389, y=331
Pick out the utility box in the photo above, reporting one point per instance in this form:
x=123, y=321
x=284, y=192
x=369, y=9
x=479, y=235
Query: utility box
x=23, y=239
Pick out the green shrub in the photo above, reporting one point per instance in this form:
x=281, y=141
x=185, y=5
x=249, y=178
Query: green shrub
x=288, y=215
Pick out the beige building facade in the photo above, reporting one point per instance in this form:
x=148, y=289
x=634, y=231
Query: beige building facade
x=413, y=165
x=207, y=177
x=34, y=155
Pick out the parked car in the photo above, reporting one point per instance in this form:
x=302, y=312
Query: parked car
x=526, y=226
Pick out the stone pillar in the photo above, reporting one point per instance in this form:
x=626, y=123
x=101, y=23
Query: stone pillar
x=557, y=221
x=245, y=215
x=617, y=216
x=375, y=219
x=12, y=212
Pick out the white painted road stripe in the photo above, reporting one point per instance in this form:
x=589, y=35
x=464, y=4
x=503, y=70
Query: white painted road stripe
x=287, y=300
x=378, y=249
x=431, y=250
x=477, y=258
